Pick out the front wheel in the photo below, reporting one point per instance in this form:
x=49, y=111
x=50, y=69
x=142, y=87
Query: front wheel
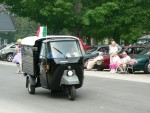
x=31, y=88
x=9, y=57
x=146, y=68
x=71, y=90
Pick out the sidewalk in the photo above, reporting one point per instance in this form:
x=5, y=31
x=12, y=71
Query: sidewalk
x=138, y=77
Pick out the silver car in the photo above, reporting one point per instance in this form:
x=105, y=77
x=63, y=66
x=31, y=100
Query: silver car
x=7, y=52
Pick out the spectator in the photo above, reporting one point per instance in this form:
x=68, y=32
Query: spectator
x=116, y=60
x=126, y=59
x=113, y=48
x=97, y=60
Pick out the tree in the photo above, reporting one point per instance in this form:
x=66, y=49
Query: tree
x=125, y=19
x=24, y=27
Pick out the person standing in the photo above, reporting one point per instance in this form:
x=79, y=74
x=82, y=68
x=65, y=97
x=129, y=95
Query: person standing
x=113, y=48
x=18, y=57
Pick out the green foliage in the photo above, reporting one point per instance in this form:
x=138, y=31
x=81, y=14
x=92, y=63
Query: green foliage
x=24, y=27
x=125, y=19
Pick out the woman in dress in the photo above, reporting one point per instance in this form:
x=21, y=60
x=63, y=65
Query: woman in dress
x=18, y=58
x=115, y=62
x=113, y=47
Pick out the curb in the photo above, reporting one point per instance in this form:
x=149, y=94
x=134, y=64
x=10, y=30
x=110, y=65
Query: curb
x=129, y=77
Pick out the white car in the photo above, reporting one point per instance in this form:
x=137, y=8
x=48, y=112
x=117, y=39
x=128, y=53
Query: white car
x=7, y=52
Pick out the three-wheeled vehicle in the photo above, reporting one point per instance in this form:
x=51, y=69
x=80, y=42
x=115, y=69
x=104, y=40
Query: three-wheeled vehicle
x=54, y=63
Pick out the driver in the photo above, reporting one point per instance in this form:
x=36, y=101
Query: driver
x=72, y=52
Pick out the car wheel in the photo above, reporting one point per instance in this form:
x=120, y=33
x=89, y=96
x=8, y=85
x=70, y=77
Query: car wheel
x=31, y=88
x=9, y=57
x=146, y=68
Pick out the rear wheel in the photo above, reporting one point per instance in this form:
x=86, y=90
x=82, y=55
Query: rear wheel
x=31, y=88
x=71, y=90
x=9, y=57
x=146, y=68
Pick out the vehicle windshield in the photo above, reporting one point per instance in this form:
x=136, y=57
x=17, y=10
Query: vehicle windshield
x=91, y=49
x=142, y=42
x=145, y=52
x=65, y=49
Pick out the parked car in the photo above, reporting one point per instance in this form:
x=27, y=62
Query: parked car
x=2, y=46
x=149, y=64
x=142, y=61
x=131, y=50
x=144, y=40
x=7, y=52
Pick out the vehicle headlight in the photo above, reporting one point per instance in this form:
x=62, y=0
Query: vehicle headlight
x=70, y=73
x=3, y=52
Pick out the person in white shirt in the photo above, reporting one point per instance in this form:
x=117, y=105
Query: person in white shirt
x=73, y=53
x=97, y=60
x=124, y=61
x=115, y=61
x=113, y=48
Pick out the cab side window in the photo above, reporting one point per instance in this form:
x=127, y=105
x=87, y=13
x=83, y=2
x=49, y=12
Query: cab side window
x=43, y=51
x=140, y=49
x=14, y=46
x=129, y=51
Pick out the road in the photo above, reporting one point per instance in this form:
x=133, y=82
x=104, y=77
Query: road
x=98, y=95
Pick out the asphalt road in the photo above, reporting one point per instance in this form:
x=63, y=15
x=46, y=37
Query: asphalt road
x=98, y=95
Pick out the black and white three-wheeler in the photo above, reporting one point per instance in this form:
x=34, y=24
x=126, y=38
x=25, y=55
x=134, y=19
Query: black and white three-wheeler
x=54, y=63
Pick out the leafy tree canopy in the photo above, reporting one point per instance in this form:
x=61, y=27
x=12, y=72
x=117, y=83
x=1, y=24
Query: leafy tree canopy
x=126, y=19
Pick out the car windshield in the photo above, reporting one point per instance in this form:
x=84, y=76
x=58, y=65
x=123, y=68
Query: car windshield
x=65, y=49
x=142, y=42
x=145, y=52
x=92, y=49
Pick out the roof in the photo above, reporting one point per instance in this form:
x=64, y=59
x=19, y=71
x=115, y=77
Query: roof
x=146, y=37
x=6, y=23
x=32, y=39
x=100, y=46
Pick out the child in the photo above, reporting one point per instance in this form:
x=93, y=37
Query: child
x=17, y=57
x=115, y=61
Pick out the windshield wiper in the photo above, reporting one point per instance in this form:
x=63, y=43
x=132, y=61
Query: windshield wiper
x=60, y=52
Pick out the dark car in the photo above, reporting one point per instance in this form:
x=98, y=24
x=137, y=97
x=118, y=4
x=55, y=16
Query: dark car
x=142, y=61
x=144, y=40
x=7, y=52
x=131, y=50
x=93, y=52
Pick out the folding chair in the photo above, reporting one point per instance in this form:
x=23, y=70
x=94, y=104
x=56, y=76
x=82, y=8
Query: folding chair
x=120, y=71
x=130, y=66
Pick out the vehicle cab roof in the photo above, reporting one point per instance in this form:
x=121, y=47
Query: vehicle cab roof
x=30, y=41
